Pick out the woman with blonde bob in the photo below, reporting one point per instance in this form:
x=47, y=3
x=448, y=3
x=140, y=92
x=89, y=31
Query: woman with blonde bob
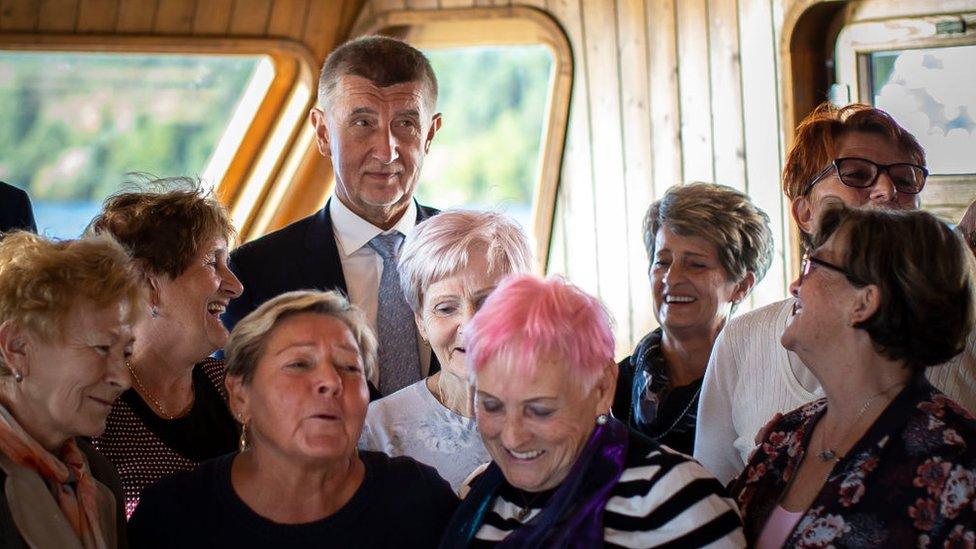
x=66, y=310
x=448, y=266
x=296, y=374
x=563, y=472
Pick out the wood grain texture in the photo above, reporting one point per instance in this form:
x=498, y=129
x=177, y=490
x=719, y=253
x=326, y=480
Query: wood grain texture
x=213, y=17
x=19, y=16
x=726, y=84
x=694, y=77
x=638, y=176
x=135, y=16
x=57, y=15
x=97, y=16
x=174, y=16
x=287, y=18
x=250, y=17
x=576, y=186
x=606, y=142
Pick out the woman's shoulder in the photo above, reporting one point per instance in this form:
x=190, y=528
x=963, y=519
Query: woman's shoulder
x=215, y=370
x=186, y=485
x=947, y=428
x=408, y=487
x=649, y=464
x=399, y=471
x=657, y=482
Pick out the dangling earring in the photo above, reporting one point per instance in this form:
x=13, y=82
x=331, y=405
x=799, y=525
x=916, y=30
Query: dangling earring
x=602, y=419
x=242, y=442
x=153, y=312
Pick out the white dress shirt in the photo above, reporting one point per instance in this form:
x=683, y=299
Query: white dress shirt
x=362, y=267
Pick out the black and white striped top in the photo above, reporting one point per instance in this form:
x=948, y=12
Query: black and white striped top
x=663, y=499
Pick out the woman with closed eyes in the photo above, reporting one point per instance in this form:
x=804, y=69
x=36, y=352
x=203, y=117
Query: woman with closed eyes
x=564, y=473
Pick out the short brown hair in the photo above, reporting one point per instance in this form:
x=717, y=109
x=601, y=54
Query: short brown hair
x=814, y=141
x=383, y=61
x=164, y=230
x=721, y=215
x=247, y=341
x=41, y=280
x=921, y=267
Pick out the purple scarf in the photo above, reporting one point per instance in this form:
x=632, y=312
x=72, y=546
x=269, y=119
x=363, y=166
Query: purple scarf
x=573, y=516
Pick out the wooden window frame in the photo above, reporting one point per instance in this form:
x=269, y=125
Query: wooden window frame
x=273, y=144
x=494, y=26
x=855, y=44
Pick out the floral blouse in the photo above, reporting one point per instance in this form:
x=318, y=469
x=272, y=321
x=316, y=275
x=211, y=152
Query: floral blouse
x=909, y=482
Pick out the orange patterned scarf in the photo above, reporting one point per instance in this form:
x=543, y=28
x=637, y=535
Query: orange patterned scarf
x=67, y=476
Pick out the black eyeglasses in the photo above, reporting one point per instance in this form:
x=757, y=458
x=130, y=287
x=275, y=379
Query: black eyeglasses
x=861, y=173
x=809, y=261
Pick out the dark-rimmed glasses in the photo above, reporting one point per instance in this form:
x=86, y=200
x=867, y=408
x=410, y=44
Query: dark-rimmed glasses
x=809, y=261
x=861, y=173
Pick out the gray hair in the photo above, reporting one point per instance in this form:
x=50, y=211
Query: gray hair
x=247, y=341
x=383, y=61
x=442, y=246
x=721, y=215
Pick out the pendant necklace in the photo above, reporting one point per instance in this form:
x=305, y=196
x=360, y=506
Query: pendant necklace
x=826, y=453
x=526, y=507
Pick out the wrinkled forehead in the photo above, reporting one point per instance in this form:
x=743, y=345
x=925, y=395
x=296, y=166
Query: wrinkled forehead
x=354, y=93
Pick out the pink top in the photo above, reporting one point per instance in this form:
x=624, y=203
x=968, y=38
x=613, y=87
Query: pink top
x=778, y=527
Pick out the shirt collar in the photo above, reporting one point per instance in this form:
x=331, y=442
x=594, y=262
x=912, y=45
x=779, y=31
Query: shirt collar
x=353, y=232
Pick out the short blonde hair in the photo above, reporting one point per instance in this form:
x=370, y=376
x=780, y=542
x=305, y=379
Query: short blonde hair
x=42, y=280
x=441, y=246
x=247, y=341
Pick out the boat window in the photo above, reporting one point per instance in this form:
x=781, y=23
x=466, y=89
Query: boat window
x=487, y=154
x=932, y=93
x=76, y=123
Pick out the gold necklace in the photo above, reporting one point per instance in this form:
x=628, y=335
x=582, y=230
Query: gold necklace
x=827, y=454
x=141, y=389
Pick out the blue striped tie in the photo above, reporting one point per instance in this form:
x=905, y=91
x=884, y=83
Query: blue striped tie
x=399, y=359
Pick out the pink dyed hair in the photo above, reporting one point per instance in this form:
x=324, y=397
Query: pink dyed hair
x=529, y=319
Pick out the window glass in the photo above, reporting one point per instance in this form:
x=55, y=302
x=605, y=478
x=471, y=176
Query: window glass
x=75, y=123
x=932, y=92
x=486, y=155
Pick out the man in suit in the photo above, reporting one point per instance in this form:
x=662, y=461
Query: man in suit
x=15, y=210
x=375, y=120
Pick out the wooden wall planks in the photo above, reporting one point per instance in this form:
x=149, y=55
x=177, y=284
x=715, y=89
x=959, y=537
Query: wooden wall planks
x=317, y=24
x=660, y=97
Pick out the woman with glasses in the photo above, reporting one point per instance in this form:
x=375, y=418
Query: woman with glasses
x=860, y=156
x=884, y=459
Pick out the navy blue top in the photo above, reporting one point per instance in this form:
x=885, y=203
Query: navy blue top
x=401, y=503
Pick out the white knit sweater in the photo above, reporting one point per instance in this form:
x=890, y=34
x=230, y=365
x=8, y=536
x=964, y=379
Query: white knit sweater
x=749, y=379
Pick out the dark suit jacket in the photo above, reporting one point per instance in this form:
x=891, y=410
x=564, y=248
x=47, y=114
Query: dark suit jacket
x=301, y=256
x=15, y=209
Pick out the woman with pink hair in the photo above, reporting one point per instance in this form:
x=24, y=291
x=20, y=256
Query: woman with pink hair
x=563, y=472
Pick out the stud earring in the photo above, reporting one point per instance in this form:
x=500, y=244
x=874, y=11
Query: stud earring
x=18, y=377
x=602, y=419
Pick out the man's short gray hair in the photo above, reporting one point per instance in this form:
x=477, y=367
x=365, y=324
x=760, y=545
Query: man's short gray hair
x=381, y=60
x=247, y=342
x=442, y=246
